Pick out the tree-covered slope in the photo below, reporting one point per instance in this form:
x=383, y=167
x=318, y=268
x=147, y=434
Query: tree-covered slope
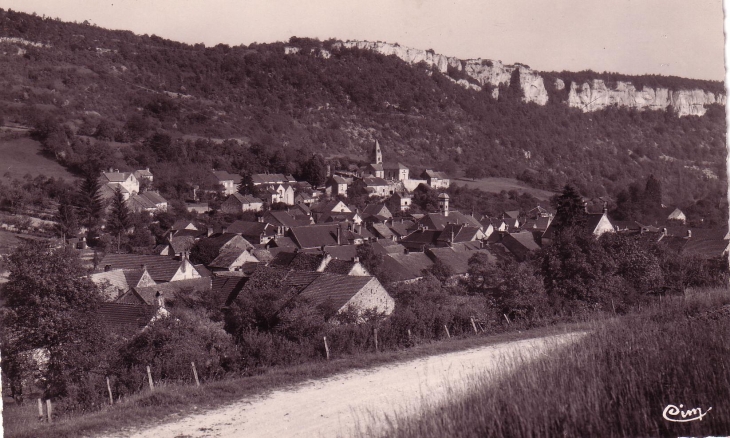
x=109, y=89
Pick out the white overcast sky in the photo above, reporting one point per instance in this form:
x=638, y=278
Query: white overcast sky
x=670, y=37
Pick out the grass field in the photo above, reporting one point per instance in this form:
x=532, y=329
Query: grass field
x=167, y=402
x=496, y=185
x=619, y=381
x=21, y=156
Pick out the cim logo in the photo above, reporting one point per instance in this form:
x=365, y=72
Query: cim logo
x=677, y=415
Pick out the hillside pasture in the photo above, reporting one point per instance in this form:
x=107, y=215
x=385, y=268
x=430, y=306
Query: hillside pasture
x=496, y=185
x=21, y=156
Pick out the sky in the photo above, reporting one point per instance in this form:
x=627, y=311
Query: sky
x=668, y=37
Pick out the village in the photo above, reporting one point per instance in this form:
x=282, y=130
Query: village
x=313, y=240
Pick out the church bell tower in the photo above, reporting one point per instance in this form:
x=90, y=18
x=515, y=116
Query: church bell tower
x=378, y=153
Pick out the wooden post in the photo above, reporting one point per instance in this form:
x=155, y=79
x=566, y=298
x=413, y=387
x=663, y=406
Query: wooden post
x=326, y=348
x=149, y=376
x=195, y=374
x=613, y=307
x=50, y=410
x=447, y=331
x=409, y=336
x=505, y=317
x=474, y=326
x=375, y=334
x=40, y=410
x=109, y=387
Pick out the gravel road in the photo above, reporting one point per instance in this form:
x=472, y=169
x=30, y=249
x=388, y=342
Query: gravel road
x=341, y=404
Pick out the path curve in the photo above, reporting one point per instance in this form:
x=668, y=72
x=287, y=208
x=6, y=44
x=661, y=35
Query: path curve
x=339, y=405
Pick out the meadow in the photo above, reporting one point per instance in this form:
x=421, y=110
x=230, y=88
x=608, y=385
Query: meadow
x=498, y=184
x=621, y=380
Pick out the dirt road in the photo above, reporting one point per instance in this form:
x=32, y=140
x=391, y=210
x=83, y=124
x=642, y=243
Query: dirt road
x=339, y=405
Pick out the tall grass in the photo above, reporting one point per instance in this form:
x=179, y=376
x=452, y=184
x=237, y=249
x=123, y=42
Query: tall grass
x=616, y=382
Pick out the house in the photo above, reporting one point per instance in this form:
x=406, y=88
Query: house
x=400, y=202
x=539, y=223
x=143, y=174
x=107, y=191
x=233, y=259
x=255, y=232
x=238, y=203
x=677, y=215
x=226, y=289
x=420, y=239
x=223, y=241
x=322, y=208
x=197, y=207
x=149, y=201
x=183, y=224
x=283, y=220
x=276, y=193
x=116, y=282
x=166, y=294
x=378, y=209
x=376, y=170
x=459, y=233
x=228, y=181
x=395, y=171
x=267, y=179
x=162, y=269
x=456, y=258
x=124, y=318
x=435, y=180
x=376, y=186
x=338, y=185
x=341, y=293
x=520, y=244
x=511, y=218
x=127, y=180
x=304, y=198
x=595, y=223
x=318, y=236
x=351, y=217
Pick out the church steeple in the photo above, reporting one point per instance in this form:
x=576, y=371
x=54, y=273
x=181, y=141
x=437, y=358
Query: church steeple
x=378, y=153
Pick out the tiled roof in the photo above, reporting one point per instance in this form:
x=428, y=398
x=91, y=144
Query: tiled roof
x=433, y=174
x=520, y=244
x=140, y=202
x=154, y=197
x=299, y=261
x=170, y=290
x=401, y=228
x=410, y=266
x=118, y=177
x=121, y=316
x=133, y=276
x=336, y=266
x=333, y=289
x=203, y=271
x=226, y=289
x=421, y=237
x=342, y=252
x=377, y=209
x=269, y=178
x=394, y=166
x=339, y=180
x=246, y=199
x=385, y=246
x=458, y=233
x=226, y=258
x=284, y=242
x=382, y=230
x=181, y=243
x=283, y=218
x=251, y=229
x=161, y=268
x=116, y=281
x=714, y=248
x=220, y=240
x=262, y=255
x=335, y=216
x=182, y=224
x=142, y=172
x=373, y=181
x=315, y=236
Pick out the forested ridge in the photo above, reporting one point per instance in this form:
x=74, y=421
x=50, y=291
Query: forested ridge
x=121, y=100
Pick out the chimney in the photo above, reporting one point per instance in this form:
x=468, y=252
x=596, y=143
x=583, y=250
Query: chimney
x=664, y=231
x=356, y=260
x=605, y=208
x=261, y=219
x=224, y=230
x=160, y=300
x=107, y=268
x=338, y=235
x=689, y=233
x=143, y=267
x=210, y=231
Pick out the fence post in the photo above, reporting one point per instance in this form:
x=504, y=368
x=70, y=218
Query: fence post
x=447, y=331
x=109, y=387
x=40, y=410
x=326, y=348
x=474, y=326
x=149, y=377
x=409, y=336
x=375, y=334
x=613, y=307
x=508, y=321
x=50, y=410
x=195, y=374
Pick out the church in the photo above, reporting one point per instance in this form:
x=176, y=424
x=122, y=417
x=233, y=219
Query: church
x=387, y=171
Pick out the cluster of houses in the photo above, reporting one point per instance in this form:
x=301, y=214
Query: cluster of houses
x=312, y=251
x=378, y=179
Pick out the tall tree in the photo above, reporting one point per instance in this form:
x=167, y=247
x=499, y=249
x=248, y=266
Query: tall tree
x=90, y=203
x=66, y=221
x=119, y=219
x=49, y=305
x=569, y=207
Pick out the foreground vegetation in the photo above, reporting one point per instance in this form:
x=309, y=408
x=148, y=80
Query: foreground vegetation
x=616, y=382
x=174, y=399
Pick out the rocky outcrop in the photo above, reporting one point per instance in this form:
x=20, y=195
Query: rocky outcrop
x=590, y=96
x=596, y=96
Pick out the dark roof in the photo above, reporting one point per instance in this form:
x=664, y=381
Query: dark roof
x=315, y=236
x=122, y=316
x=401, y=267
x=324, y=207
x=520, y=244
x=269, y=178
x=182, y=224
x=220, y=240
x=374, y=181
x=226, y=289
x=179, y=244
x=420, y=238
x=161, y=268
x=433, y=174
x=438, y=221
x=342, y=252
x=222, y=175
x=382, y=230
x=458, y=261
x=245, y=199
x=401, y=228
x=283, y=242
x=377, y=209
x=251, y=229
x=393, y=166
x=336, y=266
x=458, y=233
x=300, y=261
x=334, y=289
x=339, y=180
x=283, y=218
x=170, y=290
x=202, y=270
x=708, y=248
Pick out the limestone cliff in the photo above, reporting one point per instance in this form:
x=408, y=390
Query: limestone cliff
x=596, y=95
x=591, y=96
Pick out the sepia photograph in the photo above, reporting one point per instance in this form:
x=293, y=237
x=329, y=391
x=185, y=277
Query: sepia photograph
x=338, y=218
